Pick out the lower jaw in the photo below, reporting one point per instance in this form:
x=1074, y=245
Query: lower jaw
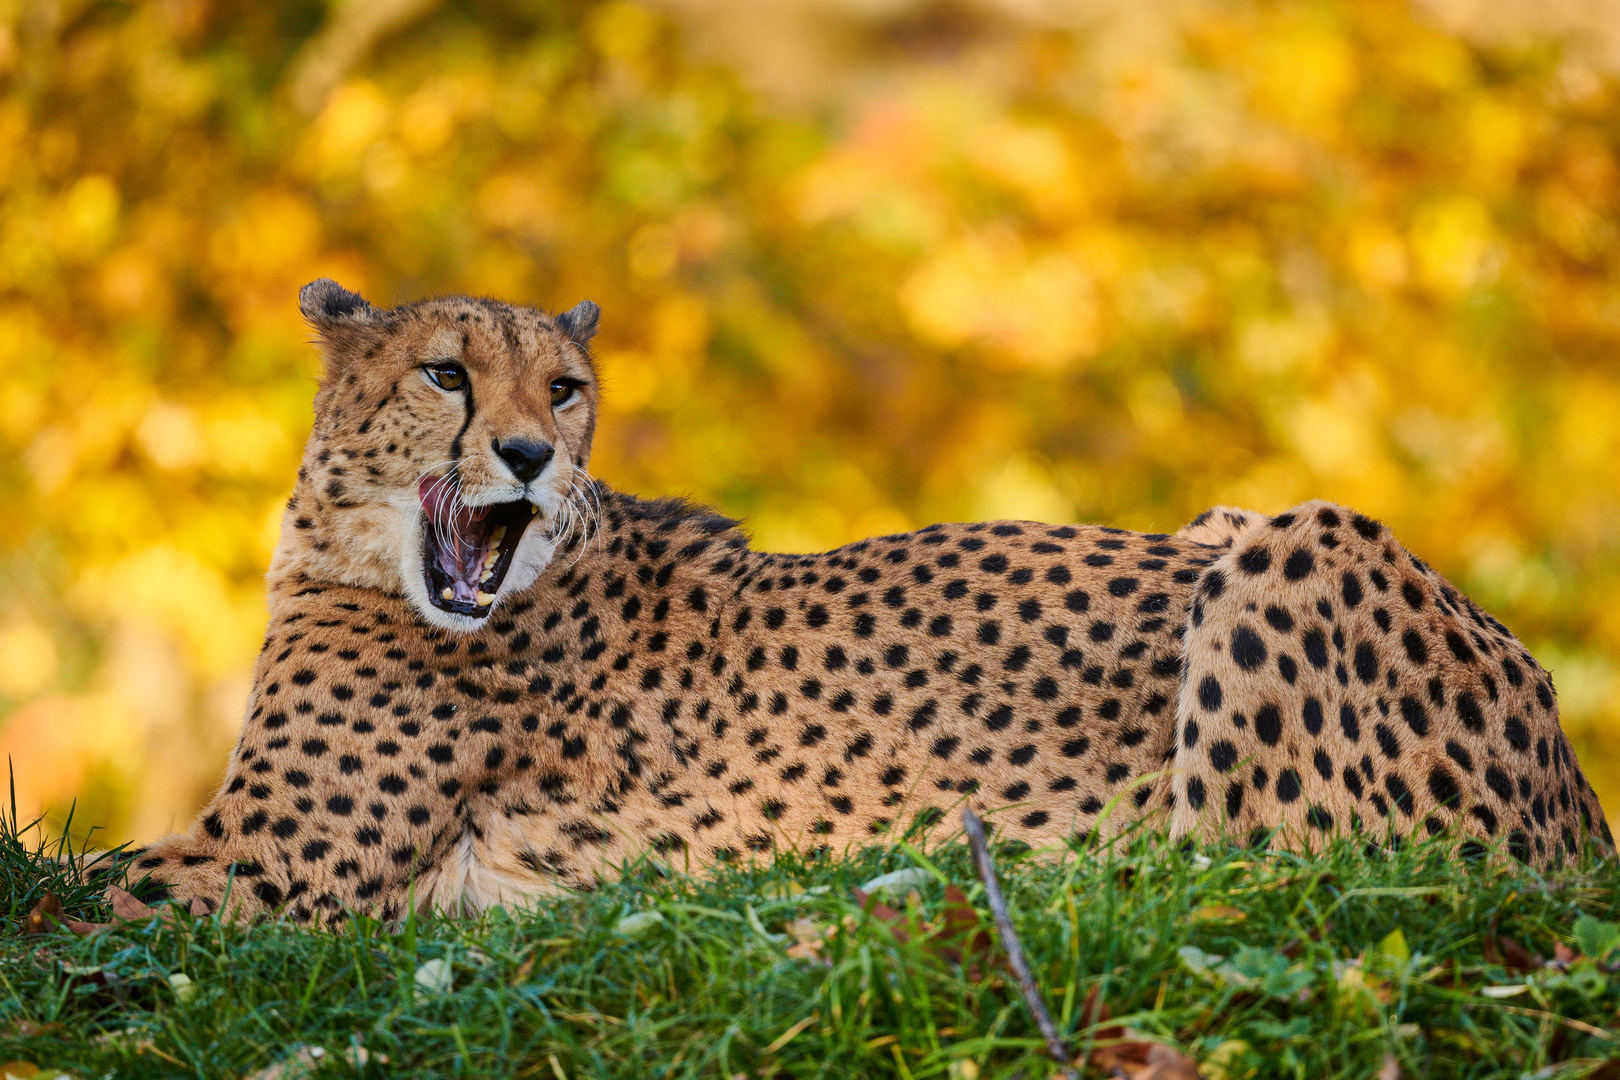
x=485, y=592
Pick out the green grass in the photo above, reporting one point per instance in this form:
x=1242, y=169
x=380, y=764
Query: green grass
x=1312, y=980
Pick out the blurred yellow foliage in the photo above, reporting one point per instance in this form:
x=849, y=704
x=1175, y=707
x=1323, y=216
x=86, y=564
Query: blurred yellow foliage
x=862, y=266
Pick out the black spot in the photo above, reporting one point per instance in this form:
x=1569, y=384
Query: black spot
x=1498, y=781
x=1298, y=565
x=1443, y=786
x=1209, y=693
x=1256, y=560
x=1288, y=785
x=1387, y=741
x=1316, y=649
x=1469, y=712
x=1415, y=715
x=1248, y=651
x=1311, y=714
x=1399, y=793
x=1268, y=724
x=1222, y=755
x=1366, y=663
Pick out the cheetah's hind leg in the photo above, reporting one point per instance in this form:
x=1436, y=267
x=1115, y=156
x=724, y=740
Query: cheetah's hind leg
x=1334, y=683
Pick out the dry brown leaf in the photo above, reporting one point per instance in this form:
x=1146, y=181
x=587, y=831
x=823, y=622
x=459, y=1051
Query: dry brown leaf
x=1564, y=954
x=1390, y=1070
x=22, y=1070
x=1126, y=1053
x=1294, y=948
x=1516, y=957
x=1218, y=912
x=1166, y=1063
x=127, y=908
x=959, y=938
x=45, y=917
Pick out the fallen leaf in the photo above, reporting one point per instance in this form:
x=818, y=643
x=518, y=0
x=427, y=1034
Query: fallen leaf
x=434, y=977
x=1515, y=957
x=1214, y=912
x=184, y=989
x=300, y=1063
x=126, y=907
x=959, y=939
x=638, y=924
x=1294, y=948
x=22, y=1070
x=809, y=939
x=1390, y=1069
x=1393, y=948
x=1504, y=991
x=46, y=915
x=964, y=927
x=1166, y=1063
x=1223, y=1061
x=899, y=880
x=1564, y=954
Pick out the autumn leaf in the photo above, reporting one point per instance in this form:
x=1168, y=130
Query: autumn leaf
x=47, y=915
x=1120, y=1052
x=126, y=908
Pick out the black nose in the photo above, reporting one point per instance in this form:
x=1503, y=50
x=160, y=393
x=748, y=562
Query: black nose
x=524, y=457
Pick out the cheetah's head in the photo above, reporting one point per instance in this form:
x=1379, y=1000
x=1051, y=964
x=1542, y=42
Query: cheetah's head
x=447, y=461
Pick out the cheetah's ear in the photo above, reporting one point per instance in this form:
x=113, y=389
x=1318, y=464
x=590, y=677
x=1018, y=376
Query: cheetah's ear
x=325, y=303
x=579, y=324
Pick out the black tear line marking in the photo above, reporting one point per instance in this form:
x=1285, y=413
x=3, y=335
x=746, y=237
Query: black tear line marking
x=455, y=444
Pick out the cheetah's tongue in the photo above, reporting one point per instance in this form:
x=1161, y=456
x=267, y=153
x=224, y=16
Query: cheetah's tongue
x=463, y=537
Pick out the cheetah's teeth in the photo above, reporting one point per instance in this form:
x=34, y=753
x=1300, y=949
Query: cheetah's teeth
x=533, y=509
x=485, y=599
x=496, y=537
x=448, y=593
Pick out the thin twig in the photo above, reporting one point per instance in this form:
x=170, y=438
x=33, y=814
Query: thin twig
x=1009, y=939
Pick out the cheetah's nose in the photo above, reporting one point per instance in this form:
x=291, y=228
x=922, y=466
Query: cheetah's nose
x=524, y=457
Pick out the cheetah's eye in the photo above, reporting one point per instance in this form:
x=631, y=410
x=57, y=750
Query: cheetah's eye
x=562, y=392
x=446, y=376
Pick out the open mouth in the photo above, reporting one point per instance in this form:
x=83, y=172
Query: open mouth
x=466, y=550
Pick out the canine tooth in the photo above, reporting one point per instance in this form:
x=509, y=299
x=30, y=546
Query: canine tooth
x=533, y=509
x=448, y=593
x=497, y=536
x=484, y=599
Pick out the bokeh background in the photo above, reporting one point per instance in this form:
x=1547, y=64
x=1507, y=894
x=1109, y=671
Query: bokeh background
x=864, y=265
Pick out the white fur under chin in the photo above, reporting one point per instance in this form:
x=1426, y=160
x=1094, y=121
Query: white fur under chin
x=534, y=553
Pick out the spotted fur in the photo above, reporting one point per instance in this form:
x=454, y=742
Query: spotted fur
x=645, y=682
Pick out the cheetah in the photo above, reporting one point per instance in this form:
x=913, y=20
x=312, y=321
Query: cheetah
x=488, y=676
